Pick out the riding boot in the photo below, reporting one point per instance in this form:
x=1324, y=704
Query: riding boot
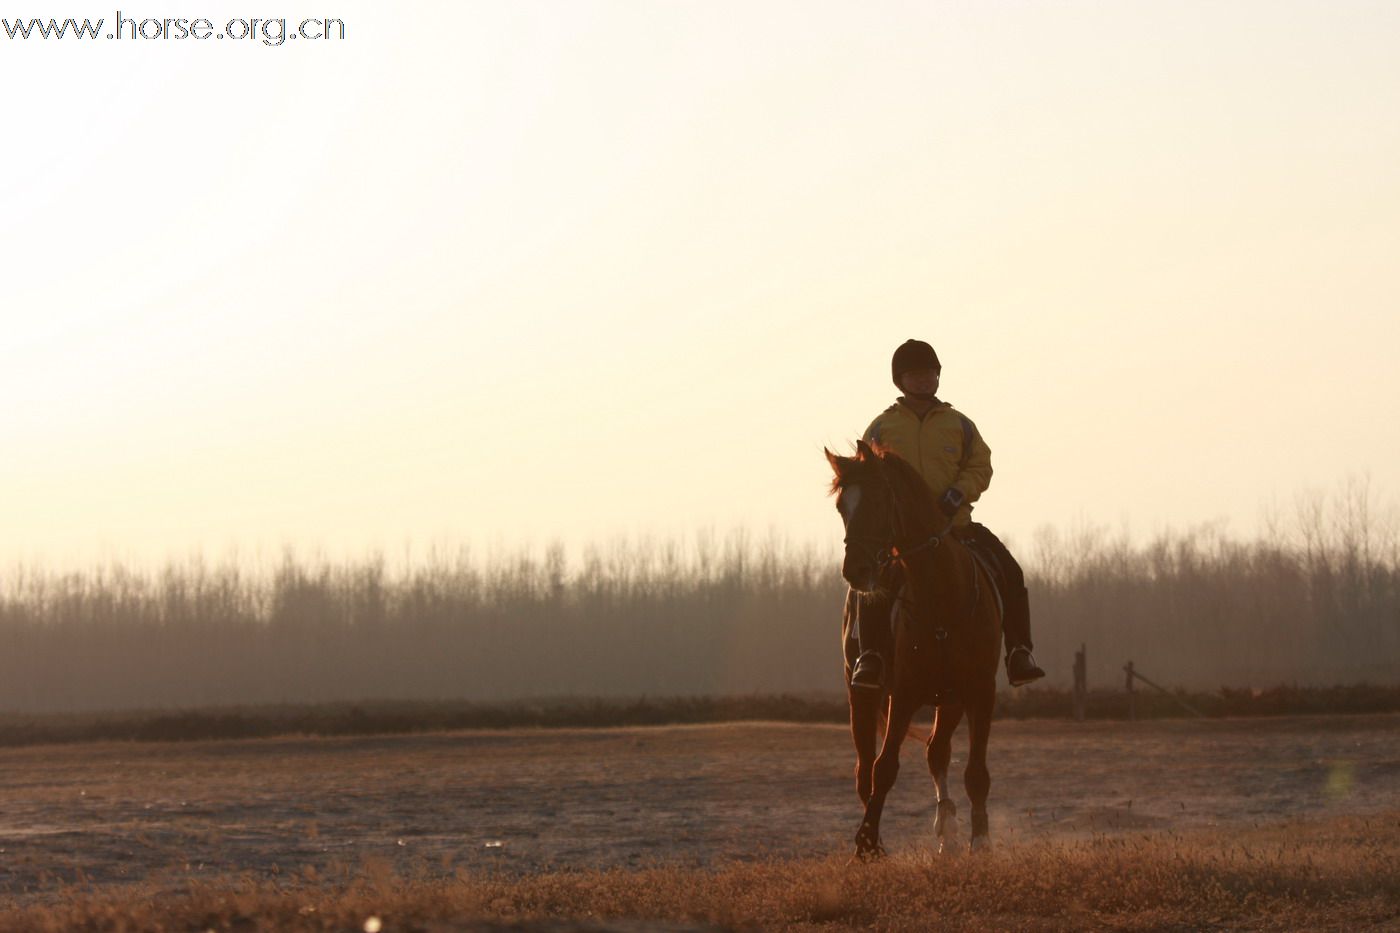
x=873, y=637
x=1020, y=666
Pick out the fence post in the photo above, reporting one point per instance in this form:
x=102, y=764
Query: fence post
x=1159, y=688
x=1081, y=683
x=1132, y=698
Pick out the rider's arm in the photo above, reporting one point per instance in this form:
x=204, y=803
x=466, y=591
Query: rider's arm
x=976, y=474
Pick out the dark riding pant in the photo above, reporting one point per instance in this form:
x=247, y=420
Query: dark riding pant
x=1010, y=580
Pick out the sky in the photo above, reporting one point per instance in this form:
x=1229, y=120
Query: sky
x=510, y=272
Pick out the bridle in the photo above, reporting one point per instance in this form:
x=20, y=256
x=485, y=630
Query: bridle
x=932, y=541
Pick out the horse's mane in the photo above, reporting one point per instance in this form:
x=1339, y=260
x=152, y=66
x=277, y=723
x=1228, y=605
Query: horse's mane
x=911, y=493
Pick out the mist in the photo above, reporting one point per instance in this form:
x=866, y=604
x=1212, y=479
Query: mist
x=1315, y=602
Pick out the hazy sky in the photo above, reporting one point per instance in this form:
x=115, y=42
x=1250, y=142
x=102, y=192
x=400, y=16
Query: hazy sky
x=509, y=271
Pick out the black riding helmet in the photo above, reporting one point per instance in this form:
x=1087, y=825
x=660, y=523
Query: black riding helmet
x=912, y=355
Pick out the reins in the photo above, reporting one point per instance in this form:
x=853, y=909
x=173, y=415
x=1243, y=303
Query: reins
x=932, y=541
x=896, y=553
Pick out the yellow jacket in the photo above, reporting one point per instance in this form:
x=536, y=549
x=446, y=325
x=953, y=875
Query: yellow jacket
x=944, y=446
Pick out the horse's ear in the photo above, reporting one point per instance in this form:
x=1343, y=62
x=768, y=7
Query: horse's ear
x=864, y=450
x=834, y=460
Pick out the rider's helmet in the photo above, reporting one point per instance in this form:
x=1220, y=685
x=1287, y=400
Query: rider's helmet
x=912, y=355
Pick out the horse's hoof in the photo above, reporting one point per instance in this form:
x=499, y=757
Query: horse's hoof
x=868, y=847
x=867, y=837
x=980, y=844
x=865, y=855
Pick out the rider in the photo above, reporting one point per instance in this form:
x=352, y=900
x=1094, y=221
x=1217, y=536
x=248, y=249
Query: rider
x=949, y=453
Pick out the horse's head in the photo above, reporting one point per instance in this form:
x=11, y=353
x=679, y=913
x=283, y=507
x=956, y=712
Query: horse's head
x=865, y=499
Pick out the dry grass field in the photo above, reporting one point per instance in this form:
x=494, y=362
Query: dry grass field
x=1287, y=823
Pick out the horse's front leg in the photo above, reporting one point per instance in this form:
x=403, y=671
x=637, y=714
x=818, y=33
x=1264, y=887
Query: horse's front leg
x=886, y=769
x=865, y=713
x=939, y=752
x=977, y=778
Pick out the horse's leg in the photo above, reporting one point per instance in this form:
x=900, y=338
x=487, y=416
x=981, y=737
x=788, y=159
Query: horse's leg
x=886, y=768
x=865, y=712
x=977, y=779
x=865, y=705
x=939, y=752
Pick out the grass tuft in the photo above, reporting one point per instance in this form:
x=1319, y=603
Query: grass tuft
x=1340, y=874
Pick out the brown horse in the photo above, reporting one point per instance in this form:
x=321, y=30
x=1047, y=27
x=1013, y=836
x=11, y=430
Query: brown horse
x=947, y=637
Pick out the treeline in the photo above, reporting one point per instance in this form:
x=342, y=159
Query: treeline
x=711, y=617
x=1314, y=603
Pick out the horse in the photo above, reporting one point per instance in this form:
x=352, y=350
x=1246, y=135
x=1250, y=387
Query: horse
x=947, y=638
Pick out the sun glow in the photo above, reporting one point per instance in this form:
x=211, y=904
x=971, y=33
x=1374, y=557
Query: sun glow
x=503, y=270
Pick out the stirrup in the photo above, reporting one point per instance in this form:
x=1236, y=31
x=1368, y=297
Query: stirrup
x=868, y=672
x=1030, y=673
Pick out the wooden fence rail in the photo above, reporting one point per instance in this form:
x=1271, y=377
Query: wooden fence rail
x=1132, y=699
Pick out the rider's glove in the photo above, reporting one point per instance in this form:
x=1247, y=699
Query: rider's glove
x=951, y=500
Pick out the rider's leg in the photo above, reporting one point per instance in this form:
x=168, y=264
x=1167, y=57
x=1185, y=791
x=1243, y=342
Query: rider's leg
x=1016, y=626
x=874, y=636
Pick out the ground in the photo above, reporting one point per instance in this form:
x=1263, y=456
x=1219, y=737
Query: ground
x=95, y=820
